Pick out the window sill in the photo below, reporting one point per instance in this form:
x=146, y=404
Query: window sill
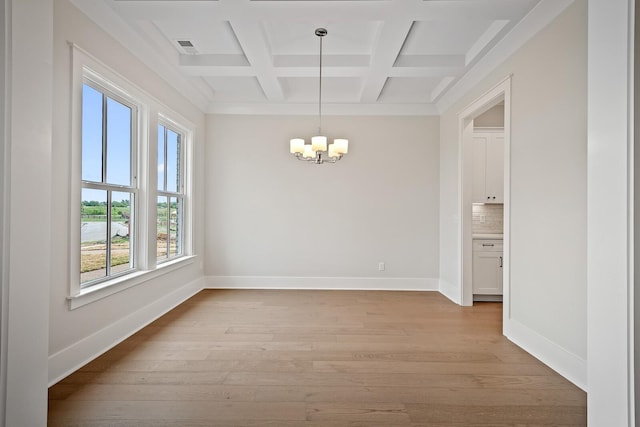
x=103, y=290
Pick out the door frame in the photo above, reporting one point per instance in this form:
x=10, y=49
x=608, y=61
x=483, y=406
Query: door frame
x=500, y=92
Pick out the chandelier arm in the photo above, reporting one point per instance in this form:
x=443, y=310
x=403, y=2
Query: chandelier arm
x=333, y=159
x=304, y=159
x=318, y=159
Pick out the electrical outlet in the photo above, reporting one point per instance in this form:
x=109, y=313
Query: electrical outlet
x=483, y=219
x=381, y=266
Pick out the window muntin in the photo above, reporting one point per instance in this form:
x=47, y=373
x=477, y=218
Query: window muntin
x=170, y=201
x=107, y=233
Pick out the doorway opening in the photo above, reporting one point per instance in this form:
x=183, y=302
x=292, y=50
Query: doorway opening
x=496, y=188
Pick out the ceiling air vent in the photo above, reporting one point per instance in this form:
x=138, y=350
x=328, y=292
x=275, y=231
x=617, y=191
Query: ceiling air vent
x=186, y=46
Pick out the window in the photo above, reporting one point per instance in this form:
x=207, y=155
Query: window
x=170, y=205
x=124, y=229
x=107, y=229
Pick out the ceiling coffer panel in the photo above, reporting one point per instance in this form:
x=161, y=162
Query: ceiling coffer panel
x=236, y=89
x=409, y=89
x=343, y=38
x=444, y=37
x=215, y=37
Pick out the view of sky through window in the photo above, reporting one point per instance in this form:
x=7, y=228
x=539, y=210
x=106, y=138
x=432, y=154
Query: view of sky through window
x=118, y=135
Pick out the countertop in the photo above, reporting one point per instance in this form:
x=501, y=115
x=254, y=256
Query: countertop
x=488, y=236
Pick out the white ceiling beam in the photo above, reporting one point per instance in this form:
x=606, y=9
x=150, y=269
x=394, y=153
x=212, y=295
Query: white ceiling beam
x=217, y=71
x=258, y=53
x=328, y=60
x=424, y=71
x=430, y=61
x=389, y=43
x=441, y=87
x=483, y=41
x=326, y=72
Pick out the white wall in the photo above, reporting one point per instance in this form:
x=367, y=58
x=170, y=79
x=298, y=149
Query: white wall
x=548, y=170
x=272, y=216
x=81, y=328
x=610, y=213
x=27, y=233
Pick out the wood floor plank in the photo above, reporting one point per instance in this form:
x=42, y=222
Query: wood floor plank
x=154, y=377
x=435, y=396
x=503, y=382
x=151, y=392
x=179, y=411
x=318, y=358
x=390, y=413
x=471, y=368
x=490, y=415
x=314, y=330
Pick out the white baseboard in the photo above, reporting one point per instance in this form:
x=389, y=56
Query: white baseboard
x=567, y=364
x=323, y=283
x=450, y=291
x=68, y=360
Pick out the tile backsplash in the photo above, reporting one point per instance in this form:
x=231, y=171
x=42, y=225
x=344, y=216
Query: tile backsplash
x=487, y=218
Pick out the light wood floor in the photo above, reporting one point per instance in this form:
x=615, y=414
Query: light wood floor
x=318, y=358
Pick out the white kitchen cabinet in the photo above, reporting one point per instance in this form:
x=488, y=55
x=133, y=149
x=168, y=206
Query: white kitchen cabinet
x=487, y=267
x=488, y=167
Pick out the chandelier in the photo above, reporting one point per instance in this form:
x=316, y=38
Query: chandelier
x=316, y=151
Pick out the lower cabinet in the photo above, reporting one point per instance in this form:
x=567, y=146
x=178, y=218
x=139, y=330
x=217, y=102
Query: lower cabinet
x=487, y=267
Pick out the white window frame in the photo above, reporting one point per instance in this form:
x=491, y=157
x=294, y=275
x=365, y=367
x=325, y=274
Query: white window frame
x=150, y=113
x=97, y=84
x=186, y=136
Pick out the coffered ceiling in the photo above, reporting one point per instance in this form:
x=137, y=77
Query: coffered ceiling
x=262, y=56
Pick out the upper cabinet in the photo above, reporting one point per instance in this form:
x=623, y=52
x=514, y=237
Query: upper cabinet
x=488, y=166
